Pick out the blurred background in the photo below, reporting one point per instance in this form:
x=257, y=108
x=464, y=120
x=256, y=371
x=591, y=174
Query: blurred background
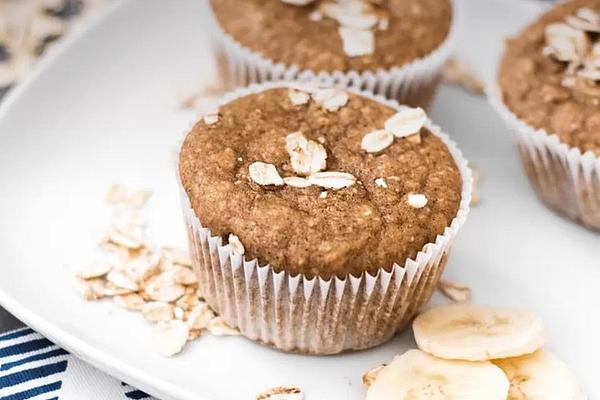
x=29, y=29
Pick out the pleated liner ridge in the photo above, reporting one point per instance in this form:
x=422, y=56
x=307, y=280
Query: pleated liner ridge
x=413, y=84
x=564, y=178
x=318, y=316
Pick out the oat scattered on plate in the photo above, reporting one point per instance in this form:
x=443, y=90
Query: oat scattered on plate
x=456, y=72
x=158, y=282
x=454, y=291
x=281, y=393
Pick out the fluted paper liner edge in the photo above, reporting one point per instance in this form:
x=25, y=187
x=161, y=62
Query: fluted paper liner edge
x=315, y=315
x=414, y=83
x=564, y=178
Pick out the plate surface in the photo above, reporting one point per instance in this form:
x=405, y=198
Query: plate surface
x=104, y=110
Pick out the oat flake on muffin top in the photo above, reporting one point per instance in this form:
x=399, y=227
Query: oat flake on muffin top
x=295, y=177
x=342, y=35
x=550, y=74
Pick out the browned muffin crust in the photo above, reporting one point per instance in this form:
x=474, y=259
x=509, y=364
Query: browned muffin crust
x=284, y=33
x=352, y=230
x=531, y=85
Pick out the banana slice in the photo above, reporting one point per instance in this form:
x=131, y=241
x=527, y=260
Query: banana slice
x=477, y=333
x=540, y=375
x=418, y=375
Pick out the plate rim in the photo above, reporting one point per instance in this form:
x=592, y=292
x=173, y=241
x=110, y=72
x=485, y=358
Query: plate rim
x=106, y=363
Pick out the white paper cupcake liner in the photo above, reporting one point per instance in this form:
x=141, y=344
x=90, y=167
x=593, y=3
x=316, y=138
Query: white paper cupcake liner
x=316, y=315
x=564, y=178
x=413, y=84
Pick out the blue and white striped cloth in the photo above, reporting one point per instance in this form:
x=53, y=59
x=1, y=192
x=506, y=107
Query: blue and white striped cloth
x=32, y=367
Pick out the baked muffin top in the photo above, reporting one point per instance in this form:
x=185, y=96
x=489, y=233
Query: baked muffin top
x=550, y=74
x=342, y=35
x=375, y=201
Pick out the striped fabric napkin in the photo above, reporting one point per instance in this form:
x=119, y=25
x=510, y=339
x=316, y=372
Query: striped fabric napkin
x=32, y=367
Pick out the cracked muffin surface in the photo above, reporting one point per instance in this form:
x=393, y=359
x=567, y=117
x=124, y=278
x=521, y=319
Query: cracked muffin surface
x=313, y=230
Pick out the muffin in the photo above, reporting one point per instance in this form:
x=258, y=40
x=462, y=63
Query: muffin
x=319, y=220
x=395, y=48
x=549, y=93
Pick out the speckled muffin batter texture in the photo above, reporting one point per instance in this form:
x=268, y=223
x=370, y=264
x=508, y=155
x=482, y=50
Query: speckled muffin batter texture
x=531, y=85
x=284, y=33
x=361, y=228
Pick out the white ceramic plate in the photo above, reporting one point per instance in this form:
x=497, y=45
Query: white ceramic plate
x=104, y=110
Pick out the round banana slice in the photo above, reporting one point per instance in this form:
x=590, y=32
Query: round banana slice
x=418, y=375
x=540, y=375
x=477, y=333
